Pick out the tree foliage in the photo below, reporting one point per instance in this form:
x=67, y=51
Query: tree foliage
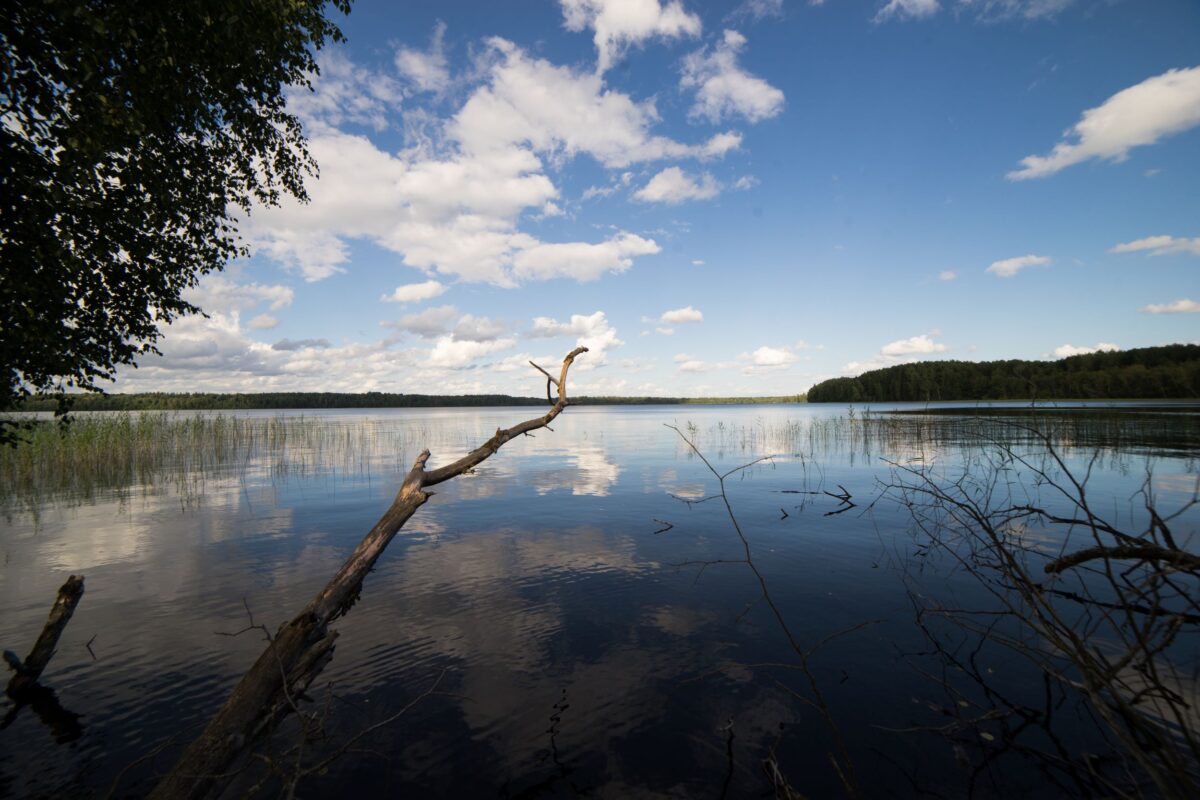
x=1172, y=371
x=133, y=134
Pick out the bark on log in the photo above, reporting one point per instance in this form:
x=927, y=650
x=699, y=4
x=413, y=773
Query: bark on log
x=29, y=670
x=301, y=648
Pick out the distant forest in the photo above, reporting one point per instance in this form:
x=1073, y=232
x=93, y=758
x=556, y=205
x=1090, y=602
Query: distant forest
x=1172, y=371
x=163, y=401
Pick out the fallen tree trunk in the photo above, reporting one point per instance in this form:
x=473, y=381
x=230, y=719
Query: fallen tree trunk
x=301, y=648
x=28, y=671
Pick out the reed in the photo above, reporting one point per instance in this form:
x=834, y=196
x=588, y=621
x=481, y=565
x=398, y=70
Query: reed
x=124, y=452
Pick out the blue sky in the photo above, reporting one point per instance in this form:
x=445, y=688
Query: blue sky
x=737, y=198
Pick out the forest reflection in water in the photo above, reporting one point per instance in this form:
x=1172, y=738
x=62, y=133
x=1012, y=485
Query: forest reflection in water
x=575, y=650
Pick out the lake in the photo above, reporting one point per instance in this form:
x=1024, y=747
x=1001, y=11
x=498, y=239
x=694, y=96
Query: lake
x=585, y=618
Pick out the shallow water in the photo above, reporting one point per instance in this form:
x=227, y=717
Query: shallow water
x=577, y=647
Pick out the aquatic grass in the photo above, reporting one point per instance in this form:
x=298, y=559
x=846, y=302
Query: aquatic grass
x=869, y=435
x=124, y=451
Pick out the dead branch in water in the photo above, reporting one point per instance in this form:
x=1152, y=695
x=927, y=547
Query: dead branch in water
x=300, y=649
x=24, y=688
x=29, y=670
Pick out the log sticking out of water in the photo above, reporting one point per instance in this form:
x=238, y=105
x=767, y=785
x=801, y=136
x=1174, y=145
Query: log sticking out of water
x=301, y=648
x=29, y=670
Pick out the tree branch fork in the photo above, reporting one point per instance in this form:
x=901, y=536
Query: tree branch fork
x=302, y=647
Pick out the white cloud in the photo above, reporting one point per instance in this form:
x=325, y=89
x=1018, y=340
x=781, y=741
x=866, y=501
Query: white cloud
x=723, y=88
x=426, y=69
x=591, y=331
x=907, y=8
x=452, y=205
x=428, y=324
x=561, y=112
x=1140, y=115
x=679, y=315
x=1160, y=246
x=1011, y=266
x=415, y=292
x=263, y=322
x=691, y=364
x=770, y=357
x=621, y=23
x=345, y=93
x=673, y=185
x=916, y=345
x=1183, y=306
x=451, y=353
x=581, y=260
x=664, y=331
x=746, y=182
x=291, y=345
x=1066, y=350
x=219, y=294
x=898, y=352
x=761, y=9
x=478, y=329
x=1005, y=9
x=696, y=262
x=694, y=365
x=947, y=275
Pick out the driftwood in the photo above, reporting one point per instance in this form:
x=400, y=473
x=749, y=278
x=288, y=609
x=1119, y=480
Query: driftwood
x=24, y=688
x=29, y=670
x=301, y=648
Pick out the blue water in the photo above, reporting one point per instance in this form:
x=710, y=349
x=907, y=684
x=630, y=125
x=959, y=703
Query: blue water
x=576, y=646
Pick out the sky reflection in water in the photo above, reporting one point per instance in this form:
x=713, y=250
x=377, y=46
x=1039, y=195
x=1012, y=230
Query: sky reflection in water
x=578, y=656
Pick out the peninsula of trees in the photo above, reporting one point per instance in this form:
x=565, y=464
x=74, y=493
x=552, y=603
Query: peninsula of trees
x=1171, y=371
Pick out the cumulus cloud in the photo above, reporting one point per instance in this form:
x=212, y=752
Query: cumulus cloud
x=770, y=357
x=478, y=329
x=426, y=69
x=723, y=88
x=217, y=293
x=263, y=322
x=620, y=23
x=289, y=345
x=428, y=324
x=581, y=260
x=898, y=352
x=1183, y=306
x=1011, y=266
x=451, y=353
x=592, y=331
x=560, y=111
x=414, y=292
x=907, y=9
x=454, y=207
x=673, y=185
x=679, y=315
x=345, y=93
x=1160, y=246
x=1141, y=115
x=916, y=345
x=1063, y=351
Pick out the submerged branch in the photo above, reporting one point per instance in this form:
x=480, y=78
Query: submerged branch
x=301, y=648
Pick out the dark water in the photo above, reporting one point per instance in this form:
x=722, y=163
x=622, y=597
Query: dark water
x=577, y=648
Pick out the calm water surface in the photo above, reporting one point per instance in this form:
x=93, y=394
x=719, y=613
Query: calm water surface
x=557, y=597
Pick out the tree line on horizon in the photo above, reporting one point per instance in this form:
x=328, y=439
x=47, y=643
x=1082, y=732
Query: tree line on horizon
x=1166, y=372
x=215, y=401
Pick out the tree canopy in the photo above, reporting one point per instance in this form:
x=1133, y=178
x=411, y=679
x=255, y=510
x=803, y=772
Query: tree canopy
x=1172, y=371
x=133, y=135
